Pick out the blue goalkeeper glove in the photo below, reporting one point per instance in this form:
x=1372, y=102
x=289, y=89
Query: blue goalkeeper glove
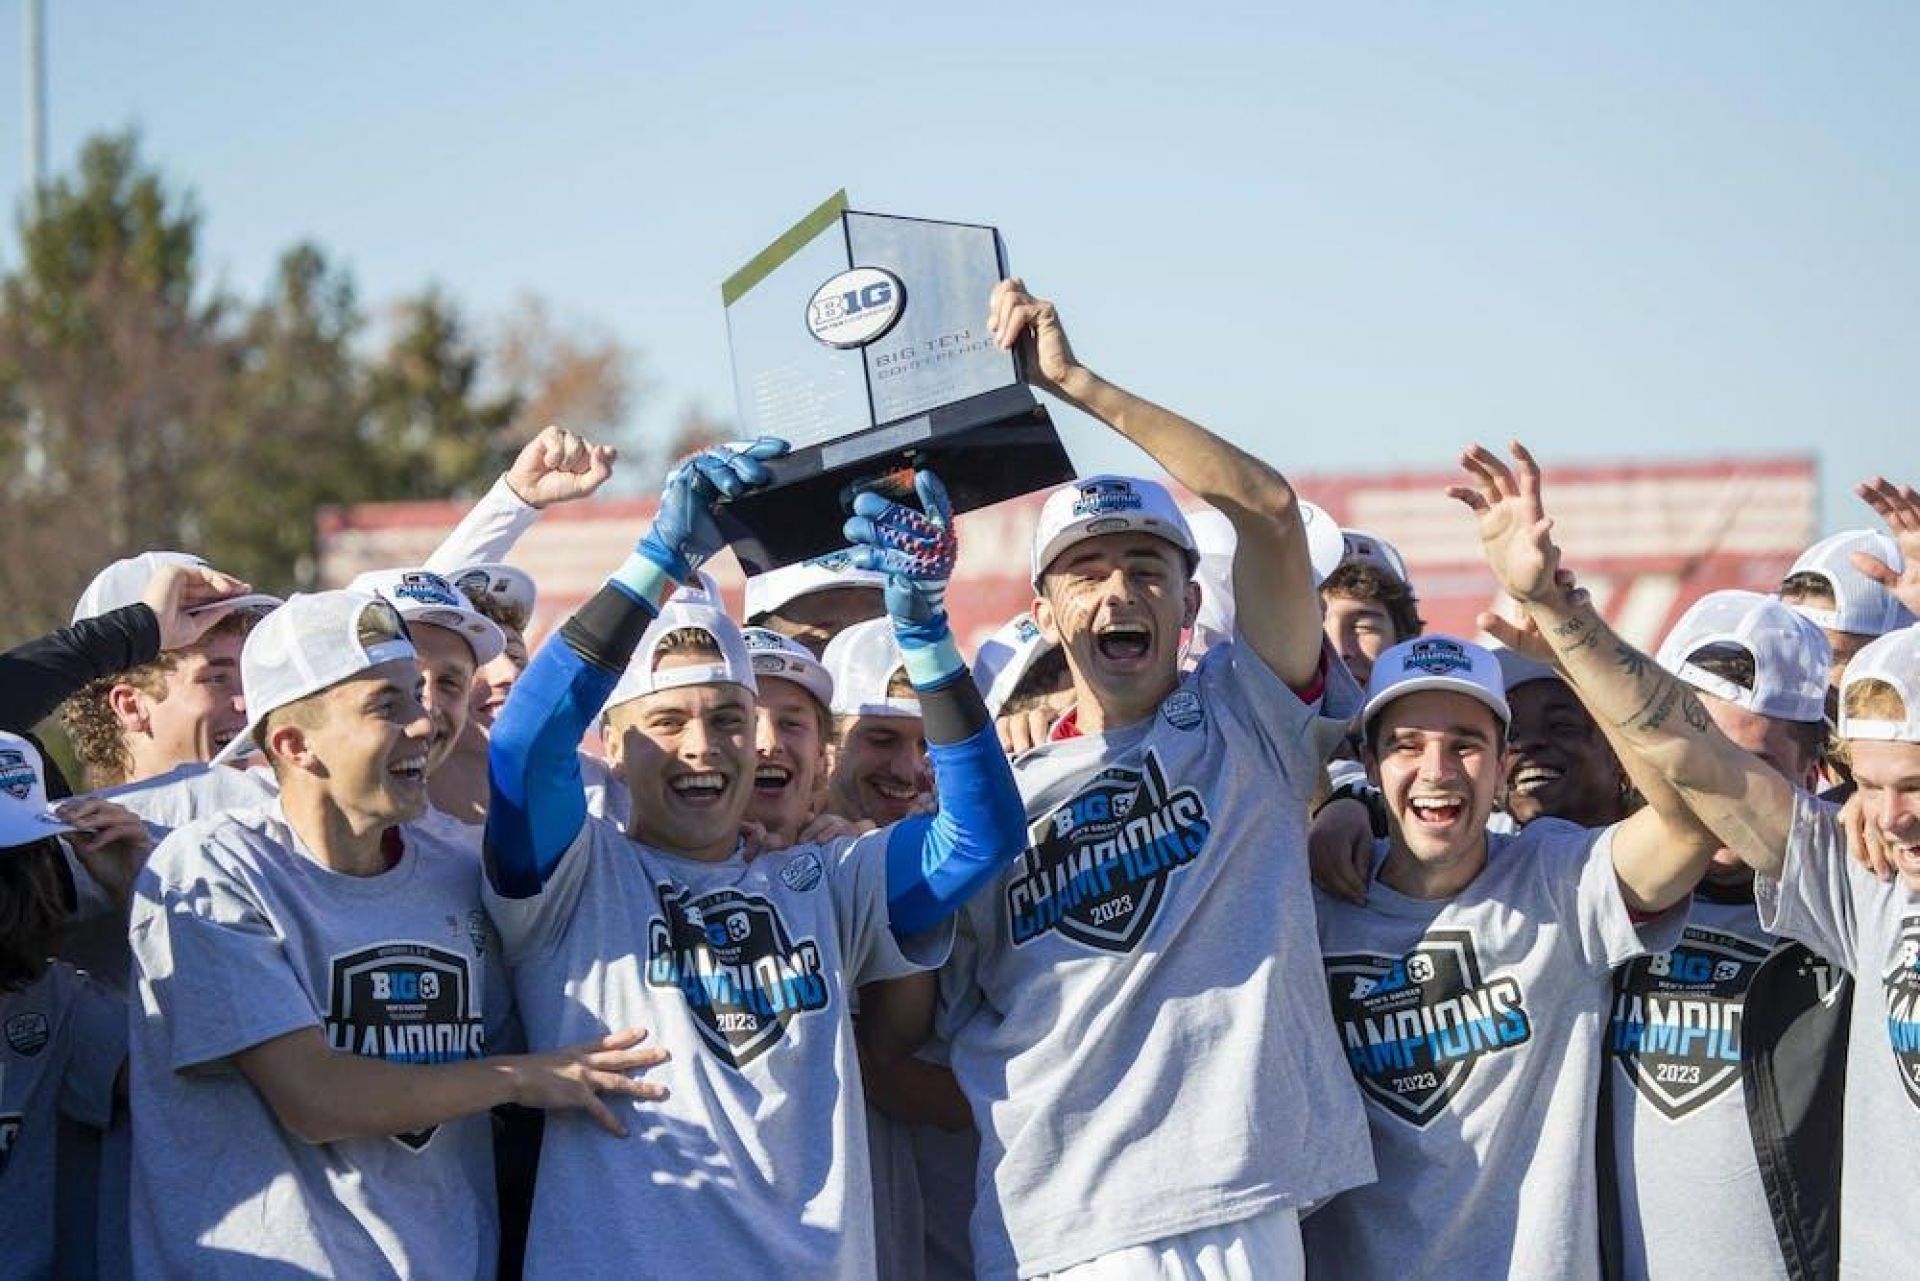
x=684, y=533
x=917, y=551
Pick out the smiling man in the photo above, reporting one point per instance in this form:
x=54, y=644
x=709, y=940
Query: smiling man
x=1559, y=763
x=1806, y=886
x=1469, y=986
x=880, y=771
x=318, y=992
x=793, y=731
x=1135, y=1012
x=756, y=1164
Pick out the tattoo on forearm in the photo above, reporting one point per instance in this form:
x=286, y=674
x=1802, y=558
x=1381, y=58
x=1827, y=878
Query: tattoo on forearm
x=1631, y=660
x=1694, y=712
x=1572, y=627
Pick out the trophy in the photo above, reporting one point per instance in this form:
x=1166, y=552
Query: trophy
x=861, y=340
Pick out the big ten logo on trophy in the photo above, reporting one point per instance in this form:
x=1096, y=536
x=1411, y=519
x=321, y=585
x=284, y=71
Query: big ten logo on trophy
x=856, y=307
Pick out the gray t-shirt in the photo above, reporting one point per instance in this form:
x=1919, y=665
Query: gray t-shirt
x=62, y=1041
x=1135, y=1007
x=1474, y=1025
x=240, y=936
x=1870, y=928
x=1691, y=1200
x=757, y=1164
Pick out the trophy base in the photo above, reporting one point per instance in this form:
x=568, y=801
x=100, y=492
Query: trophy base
x=985, y=449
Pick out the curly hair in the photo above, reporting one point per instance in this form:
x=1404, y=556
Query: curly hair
x=93, y=729
x=1357, y=580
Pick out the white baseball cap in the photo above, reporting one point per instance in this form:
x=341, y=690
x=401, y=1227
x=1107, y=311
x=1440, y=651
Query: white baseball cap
x=1790, y=653
x=423, y=596
x=1516, y=669
x=1860, y=605
x=312, y=643
x=786, y=658
x=1895, y=660
x=24, y=818
x=1436, y=662
x=1005, y=658
x=509, y=587
x=1369, y=548
x=1108, y=504
x=767, y=592
x=125, y=582
x=863, y=661
x=686, y=610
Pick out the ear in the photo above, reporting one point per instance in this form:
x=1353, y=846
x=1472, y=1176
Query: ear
x=1192, y=614
x=287, y=741
x=1371, y=760
x=614, y=742
x=1041, y=611
x=129, y=706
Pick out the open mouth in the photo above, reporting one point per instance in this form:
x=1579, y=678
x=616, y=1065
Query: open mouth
x=1123, y=642
x=411, y=771
x=1436, y=811
x=703, y=788
x=892, y=789
x=1533, y=778
x=771, y=780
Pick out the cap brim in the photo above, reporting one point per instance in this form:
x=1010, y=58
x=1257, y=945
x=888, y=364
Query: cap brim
x=22, y=824
x=252, y=602
x=242, y=746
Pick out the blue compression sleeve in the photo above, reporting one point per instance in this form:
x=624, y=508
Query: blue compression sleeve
x=537, y=801
x=934, y=865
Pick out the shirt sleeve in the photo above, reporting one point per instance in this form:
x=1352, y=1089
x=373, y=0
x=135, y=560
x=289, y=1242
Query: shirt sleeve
x=211, y=966
x=1234, y=683
x=1577, y=864
x=486, y=533
x=38, y=676
x=536, y=922
x=857, y=875
x=96, y=1051
x=1814, y=899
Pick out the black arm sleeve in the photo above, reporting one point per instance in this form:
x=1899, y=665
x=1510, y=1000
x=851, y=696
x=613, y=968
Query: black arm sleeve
x=35, y=678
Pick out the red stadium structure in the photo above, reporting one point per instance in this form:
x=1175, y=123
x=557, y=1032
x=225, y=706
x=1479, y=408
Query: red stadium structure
x=1646, y=538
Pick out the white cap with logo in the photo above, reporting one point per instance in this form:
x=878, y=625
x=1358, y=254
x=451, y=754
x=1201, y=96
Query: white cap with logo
x=1437, y=662
x=125, y=581
x=686, y=610
x=782, y=656
x=510, y=588
x=1005, y=658
x=1367, y=548
x=767, y=592
x=1860, y=605
x=1790, y=654
x=312, y=643
x=1894, y=660
x=24, y=818
x=863, y=660
x=1108, y=504
x=423, y=596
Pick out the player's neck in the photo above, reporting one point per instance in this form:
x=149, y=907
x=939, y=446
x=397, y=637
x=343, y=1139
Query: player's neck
x=345, y=843
x=1096, y=712
x=1427, y=880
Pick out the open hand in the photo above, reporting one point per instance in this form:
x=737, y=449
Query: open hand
x=186, y=599
x=575, y=1077
x=110, y=841
x=684, y=534
x=1515, y=533
x=1899, y=506
x=916, y=550
x=558, y=467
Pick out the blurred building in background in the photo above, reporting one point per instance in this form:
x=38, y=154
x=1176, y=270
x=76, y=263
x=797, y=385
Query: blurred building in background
x=1646, y=539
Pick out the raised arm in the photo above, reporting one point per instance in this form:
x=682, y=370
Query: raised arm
x=554, y=467
x=1647, y=710
x=936, y=863
x=537, y=802
x=1279, y=610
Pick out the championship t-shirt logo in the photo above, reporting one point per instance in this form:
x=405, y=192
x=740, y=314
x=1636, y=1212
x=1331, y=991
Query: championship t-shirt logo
x=9, y=1135
x=1415, y=1026
x=729, y=955
x=1902, y=981
x=406, y=1003
x=1097, y=867
x=1676, y=1018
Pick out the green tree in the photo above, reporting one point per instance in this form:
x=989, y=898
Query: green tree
x=429, y=430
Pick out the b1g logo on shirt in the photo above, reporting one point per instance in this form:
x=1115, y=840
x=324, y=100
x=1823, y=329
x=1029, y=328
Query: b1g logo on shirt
x=405, y=1002
x=1097, y=868
x=1902, y=982
x=1414, y=1027
x=729, y=955
x=1676, y=1018
x=9, y=1135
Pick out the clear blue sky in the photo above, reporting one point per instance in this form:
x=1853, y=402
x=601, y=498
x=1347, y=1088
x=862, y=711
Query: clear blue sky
x=1349, y=236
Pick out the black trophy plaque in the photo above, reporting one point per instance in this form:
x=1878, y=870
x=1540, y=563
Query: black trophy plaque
x=861, y=340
